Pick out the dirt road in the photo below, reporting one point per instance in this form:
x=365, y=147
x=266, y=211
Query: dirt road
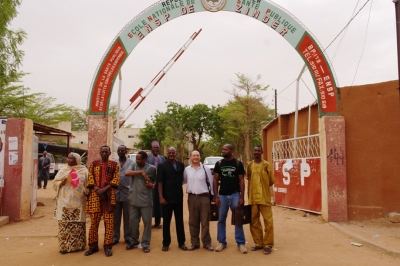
x=300, y=239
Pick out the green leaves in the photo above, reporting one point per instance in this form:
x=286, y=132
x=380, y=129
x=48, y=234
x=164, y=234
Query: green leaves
x=181, y=124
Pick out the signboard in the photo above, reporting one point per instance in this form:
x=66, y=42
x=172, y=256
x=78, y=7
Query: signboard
x=298, y=184
x=266, y=12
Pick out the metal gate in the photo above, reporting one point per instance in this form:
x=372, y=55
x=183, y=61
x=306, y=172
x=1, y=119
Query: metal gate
x=297, y=172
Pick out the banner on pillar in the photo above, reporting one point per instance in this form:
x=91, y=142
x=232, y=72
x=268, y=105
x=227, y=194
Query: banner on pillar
x=298, y=184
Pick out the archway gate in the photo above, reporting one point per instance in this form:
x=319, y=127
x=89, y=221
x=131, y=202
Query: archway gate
x=266, y=12
x=331, y=127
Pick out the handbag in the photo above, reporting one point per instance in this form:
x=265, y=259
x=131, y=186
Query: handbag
x=214, y=210
x=241, y=215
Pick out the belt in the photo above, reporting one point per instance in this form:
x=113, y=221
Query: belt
x=201, y=194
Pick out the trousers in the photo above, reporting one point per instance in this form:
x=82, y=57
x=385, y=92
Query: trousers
x=177, y=210
x=199, y=211
x=265, y=240
x=95, y=218
x=122, y=211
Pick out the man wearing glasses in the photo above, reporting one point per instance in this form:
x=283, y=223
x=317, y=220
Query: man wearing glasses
x=170, y=179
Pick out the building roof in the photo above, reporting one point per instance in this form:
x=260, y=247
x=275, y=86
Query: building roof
x=46, y=130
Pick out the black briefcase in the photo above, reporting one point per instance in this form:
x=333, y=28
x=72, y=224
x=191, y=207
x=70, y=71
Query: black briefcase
x=241, y=215
x=214, y=211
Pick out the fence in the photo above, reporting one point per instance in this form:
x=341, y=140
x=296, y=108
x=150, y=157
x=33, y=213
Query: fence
x=303, y=147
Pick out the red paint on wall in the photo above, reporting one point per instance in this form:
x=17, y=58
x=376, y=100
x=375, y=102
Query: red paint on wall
x=13, y=173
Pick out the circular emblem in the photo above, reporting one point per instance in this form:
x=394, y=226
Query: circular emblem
x=213, y=5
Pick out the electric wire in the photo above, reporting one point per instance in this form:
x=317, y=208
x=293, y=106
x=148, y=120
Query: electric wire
x=362, y=51
x=348, y=23
x=344, y=34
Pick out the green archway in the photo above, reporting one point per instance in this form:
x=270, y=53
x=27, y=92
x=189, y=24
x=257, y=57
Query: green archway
x=266, y=12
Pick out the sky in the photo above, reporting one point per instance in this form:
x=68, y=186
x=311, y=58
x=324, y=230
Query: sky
x=67, y=39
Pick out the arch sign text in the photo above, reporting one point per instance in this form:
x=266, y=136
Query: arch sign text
x=266, y=12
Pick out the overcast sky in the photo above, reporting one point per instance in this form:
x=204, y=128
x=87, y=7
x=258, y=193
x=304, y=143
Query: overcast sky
x=67, y=39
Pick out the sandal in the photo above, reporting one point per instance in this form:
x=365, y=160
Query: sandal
x=267, y=251
x=183, y=247
x=255, y=248
x=164, y=248
x=146, y=250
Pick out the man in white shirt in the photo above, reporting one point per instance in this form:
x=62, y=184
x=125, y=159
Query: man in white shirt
x=199, y=182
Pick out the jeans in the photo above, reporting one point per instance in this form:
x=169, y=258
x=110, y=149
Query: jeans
x=229, y=201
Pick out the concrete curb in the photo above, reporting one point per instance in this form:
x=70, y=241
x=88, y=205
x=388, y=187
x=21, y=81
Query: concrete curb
x=365, y=241
x=4, y=220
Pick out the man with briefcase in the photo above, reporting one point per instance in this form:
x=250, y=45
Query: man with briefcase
x=261, y=177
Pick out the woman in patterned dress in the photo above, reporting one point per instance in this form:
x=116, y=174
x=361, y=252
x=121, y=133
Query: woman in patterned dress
x=70, y=185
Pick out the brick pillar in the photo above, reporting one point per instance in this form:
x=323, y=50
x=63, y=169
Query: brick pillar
x=100, y=133
x=333, y=168
x=18, y=169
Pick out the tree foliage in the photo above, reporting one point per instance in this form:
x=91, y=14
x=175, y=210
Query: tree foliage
x=244, y=115
x=10, y=56
x=179, y=125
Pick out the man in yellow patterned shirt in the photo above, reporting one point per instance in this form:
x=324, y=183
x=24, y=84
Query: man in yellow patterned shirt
x=260, y=177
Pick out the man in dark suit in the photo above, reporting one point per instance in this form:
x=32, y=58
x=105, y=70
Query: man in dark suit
x=170, y=178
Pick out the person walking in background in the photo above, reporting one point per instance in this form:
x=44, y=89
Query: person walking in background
x=155, y=159
x=230, y=172
x=170, y=178
x=261, y=177
x=44, y=170
x=102, y=182
x=70, y=187
x=121, y=195
x=140, y=199
x=198, y=179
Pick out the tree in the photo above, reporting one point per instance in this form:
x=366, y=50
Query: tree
x=181, y=124
x=244, y=114
x=12, y=94
x=10, y=55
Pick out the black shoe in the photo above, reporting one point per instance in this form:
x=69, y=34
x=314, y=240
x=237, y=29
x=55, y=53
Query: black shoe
x=44, y=187
x=131, y=245
x=108, y=252
x=115, y=242
x=91, y=251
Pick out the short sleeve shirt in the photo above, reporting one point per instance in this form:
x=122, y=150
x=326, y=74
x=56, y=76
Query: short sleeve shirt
x=229, y=172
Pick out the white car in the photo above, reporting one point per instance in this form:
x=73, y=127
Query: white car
x=211, y=161
x=131, y=156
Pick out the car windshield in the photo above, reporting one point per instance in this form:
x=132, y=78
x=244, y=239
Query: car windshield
x=211, y=160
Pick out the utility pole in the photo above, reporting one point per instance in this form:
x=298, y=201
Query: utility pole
x=276, y=104
x=397, y=10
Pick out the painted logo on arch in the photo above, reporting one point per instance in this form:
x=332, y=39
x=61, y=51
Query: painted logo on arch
x=213, y=5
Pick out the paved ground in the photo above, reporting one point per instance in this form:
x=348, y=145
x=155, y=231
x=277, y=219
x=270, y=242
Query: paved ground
x=300, y=239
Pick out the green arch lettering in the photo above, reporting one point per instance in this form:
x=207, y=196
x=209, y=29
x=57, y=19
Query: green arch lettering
x=266, y=12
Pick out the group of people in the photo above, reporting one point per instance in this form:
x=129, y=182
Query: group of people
x=152, y=186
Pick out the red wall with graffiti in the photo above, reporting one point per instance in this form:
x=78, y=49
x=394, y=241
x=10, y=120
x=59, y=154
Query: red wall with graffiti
x=372, y=122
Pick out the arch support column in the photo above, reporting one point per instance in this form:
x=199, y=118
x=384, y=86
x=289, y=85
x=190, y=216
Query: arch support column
x=333, y=168
x=100, y=133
